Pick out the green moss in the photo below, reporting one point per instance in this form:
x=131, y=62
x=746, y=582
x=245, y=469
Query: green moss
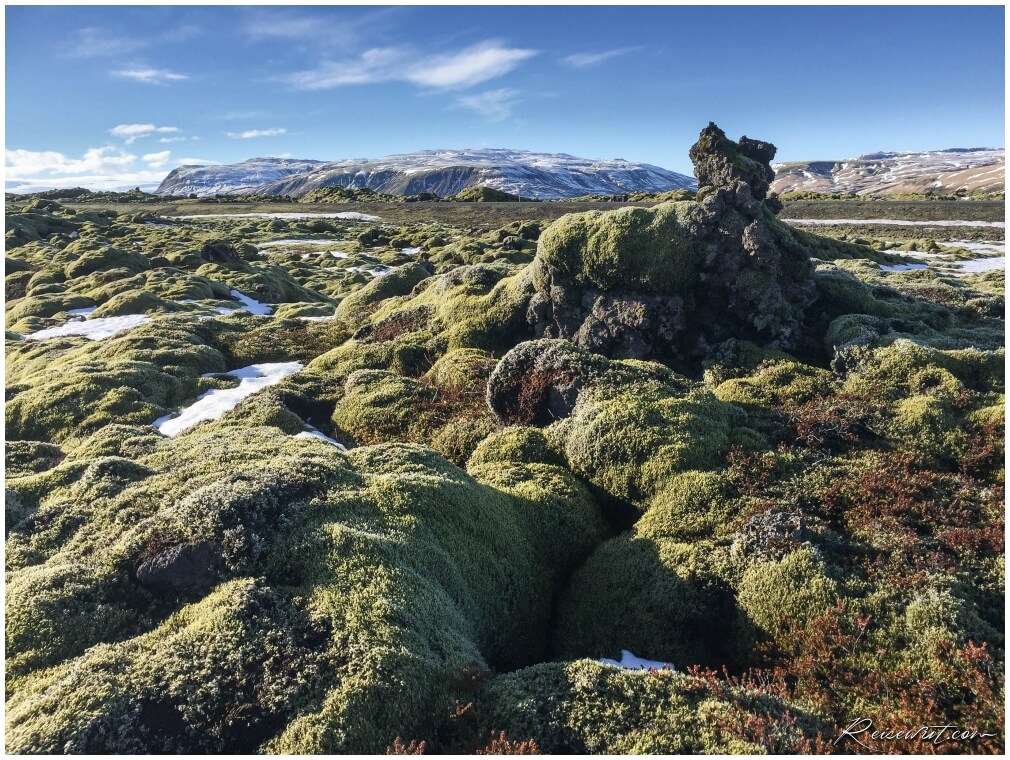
x=905, y=368
x=404, y=358
x=388, y=571
x=133, y=302
x=45, y=306
x=638, y=249
x=630, y=441
x=480, y=194
x=587, y=708
x=792, y=591
x=354, y=309
x=84, y=258
x=383, y=406
x=515, y=444
x=460, y=436
x=27, y=457
x=778, y=384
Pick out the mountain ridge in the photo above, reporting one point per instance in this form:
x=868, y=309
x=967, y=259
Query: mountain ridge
x=894, y=172
x=444, y=172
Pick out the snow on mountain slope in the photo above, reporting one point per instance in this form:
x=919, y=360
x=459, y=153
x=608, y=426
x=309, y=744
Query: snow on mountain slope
x=443, y=172
x=938, y=171
x=212, y=179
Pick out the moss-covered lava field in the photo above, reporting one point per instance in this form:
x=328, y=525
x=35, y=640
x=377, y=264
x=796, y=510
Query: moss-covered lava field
x=342, y=478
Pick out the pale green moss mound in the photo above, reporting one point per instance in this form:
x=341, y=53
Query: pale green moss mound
x=629, y=249
x=790, y=592
x=380, y=577
x=584, y=707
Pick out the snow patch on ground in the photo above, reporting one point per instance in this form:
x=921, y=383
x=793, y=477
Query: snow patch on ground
x=902, y=267
x=249, y=304
x=350, y=215
x=972, y=266
x=299, y=241
x=631, y=662
x=982, y=246
x=214, y=403
x=899, y=222
x=313, y=433
x=92, y=329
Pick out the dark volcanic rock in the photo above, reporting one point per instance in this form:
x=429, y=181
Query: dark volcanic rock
x=219, y=251
x=672, y=281
x=186, y=568
x=538, y=382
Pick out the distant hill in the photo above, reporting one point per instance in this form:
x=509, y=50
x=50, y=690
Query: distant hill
x=938, y=172
x=442, y=172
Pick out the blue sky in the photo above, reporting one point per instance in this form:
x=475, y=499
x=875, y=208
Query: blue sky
x=113, y=96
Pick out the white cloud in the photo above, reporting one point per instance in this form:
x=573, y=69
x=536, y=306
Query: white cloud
x=148, y=75
x=193, y=161
x=493, y=105
x=251, y=133
x=584, y=60
x=376, y=65
x=476, y=64
x=25, y=163
x=315, y=30
x=167, y=140
x=92, y=42
x=104, y=168
x=131, y=132
x=157, y=160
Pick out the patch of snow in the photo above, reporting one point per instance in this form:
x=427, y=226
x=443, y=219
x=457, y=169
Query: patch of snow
x=84, y=312
x=972, y=266
x=631, y=662
x=410, y=251
x=299, y=241
x=92, y=329
x=317, y=319
x=982, y=246
x=914, y=254
x=313, y=433
x=375, y=272
x=250, y=304
x=351, y=215
x=214, y=403
x=898, y=222
x=902, y=267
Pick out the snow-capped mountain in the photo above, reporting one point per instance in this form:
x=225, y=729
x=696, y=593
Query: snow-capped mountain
x=211, y=179
x=938, y=171
x=443, y=172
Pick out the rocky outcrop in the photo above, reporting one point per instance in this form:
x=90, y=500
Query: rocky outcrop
x=672, y=281
x=186, y=568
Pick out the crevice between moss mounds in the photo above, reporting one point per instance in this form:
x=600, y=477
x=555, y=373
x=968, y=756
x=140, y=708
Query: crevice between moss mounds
x=672, y=281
